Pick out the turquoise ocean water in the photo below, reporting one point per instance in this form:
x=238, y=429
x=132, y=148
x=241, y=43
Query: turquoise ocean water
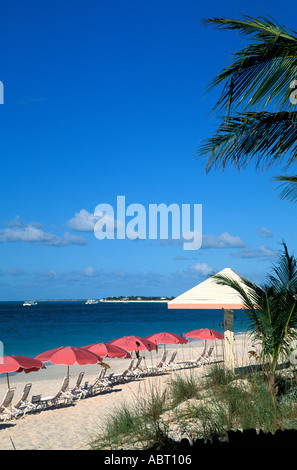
x=31, y=330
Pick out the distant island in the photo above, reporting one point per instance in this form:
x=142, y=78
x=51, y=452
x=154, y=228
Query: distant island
x=133, y=298
x=120, y=298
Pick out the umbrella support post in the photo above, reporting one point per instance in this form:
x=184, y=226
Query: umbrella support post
x=229, y=361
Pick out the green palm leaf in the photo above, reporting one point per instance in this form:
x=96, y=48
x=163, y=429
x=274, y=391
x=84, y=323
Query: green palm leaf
x=266, y=137
x=262, y=71
x=259, y=79
x=289, y=187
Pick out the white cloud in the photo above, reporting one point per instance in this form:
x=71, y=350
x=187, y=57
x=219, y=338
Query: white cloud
x=265, y=232
x=83, y=221
x=225, y=240
x=262, y=252
x=32, y=233
x=71, y=239
x=89, y=271
x=202, y=269
x=16, y=271
x=18, y=222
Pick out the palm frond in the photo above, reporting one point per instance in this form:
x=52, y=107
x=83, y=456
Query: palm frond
x=284, y=277
x=263, y=70
x=289, y=185
x=264, y=137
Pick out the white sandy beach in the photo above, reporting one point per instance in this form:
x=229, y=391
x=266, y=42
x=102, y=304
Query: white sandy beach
x=72, y=427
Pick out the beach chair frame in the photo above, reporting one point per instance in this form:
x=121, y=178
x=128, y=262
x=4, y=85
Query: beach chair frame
x=5, y=407
x=60, y=397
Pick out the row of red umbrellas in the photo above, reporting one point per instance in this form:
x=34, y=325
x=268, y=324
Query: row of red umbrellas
x=93, y=353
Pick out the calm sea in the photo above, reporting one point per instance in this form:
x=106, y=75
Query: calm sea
x=31, y=330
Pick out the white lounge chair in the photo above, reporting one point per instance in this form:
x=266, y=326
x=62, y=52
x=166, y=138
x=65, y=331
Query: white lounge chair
x=208, y=356
x=21, y=406
x=5, y=411
x=203, y=359
x=158, y=368
x=76, y=391
x=34, y=404
x=121, y=377
x=136, y=370
x=131, y=368
x=126, y=375
x=107, y=381
x=101, y=383
x=55, y=400
x=195, y=362
x=171, y=364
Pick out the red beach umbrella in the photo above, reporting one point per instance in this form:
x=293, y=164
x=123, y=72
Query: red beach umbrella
x=167, y=338
x=19, y=364
x=131, y=343
x=204, y=333
x=107, y=350
x=69, y=355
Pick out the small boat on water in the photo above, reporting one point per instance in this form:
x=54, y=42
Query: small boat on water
x=91, y=301
x=28, y=303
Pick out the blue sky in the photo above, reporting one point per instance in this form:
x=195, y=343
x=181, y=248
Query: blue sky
x=107, y=98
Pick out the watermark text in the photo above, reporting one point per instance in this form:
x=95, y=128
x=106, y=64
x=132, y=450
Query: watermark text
x=162, y=222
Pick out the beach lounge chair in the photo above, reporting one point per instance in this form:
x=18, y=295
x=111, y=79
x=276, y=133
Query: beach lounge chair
x=100, y=383
x=198, y=361
x=130, y=368
x=60, y=396
x=21, y=406
x=126, y=375
x=101, y=374
x=204, y=358
x=106, y=381
x=158, y=368
x=34, y=404
x=208, y=356
x=171, y=364
x=5, y=411
x=120, y=377
x=76, y=391
x=136, y=370
x=195, y=362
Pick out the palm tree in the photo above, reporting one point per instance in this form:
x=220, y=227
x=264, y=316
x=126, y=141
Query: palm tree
x=260, y=82
x=271, y=310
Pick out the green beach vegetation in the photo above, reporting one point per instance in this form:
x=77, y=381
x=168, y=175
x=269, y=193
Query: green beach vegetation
x=194, y=408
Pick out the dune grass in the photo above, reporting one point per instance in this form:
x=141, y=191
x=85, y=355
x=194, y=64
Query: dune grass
x=201, y=408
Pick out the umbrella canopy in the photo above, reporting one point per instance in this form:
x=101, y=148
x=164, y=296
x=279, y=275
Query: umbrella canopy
x=210, y=295
x=167, y=338
x=131, y=343
x=69, y=355
x=204, y=333
x=19, y=364
x=107, y=350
